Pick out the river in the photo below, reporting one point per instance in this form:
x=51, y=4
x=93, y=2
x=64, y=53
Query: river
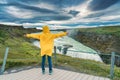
x=74, y=49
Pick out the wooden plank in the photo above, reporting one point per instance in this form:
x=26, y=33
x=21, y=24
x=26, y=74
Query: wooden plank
x=65, y=75
x=72, y=76
x=58, y=74
x=75, y=76
x=86, y=77
x=91, y=77
x=95, y=78
x=80, y=76
x=107, y=79
x=101, y=78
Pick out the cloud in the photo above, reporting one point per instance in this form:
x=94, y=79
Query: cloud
x=74, y=13
x=35, y=12
x=66, y=13
x=10, y=23
x=18, y=13
x=32, y=25
x=64, y=3
x=109, y=18
x=101, y=4
x=3, y=1
x=37, y=9
x=81, y=9
x=45, y=6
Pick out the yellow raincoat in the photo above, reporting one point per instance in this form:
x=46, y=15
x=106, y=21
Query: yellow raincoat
x=46, y=40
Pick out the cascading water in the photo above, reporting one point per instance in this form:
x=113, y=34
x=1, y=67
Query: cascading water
x=74, y=48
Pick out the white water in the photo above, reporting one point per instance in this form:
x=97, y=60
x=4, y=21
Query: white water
x=78, y=50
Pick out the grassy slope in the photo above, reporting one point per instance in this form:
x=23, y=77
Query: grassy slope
x=114, y=30
x=104, y=39
x=22, y=52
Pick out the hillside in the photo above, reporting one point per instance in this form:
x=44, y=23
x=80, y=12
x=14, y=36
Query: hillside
x=103, y=39
x=22, y=53
x=20, y=48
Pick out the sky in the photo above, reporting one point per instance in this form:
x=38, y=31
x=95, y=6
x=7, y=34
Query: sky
x=60, y=13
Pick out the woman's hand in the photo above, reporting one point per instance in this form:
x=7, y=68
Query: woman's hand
x=66, y=32
x=25, y=35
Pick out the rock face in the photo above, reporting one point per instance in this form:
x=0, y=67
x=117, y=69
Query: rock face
x=105, y=43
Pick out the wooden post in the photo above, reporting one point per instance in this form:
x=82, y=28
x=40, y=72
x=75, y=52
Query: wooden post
x=4, y=61
x=55, y=58
x=112, y=65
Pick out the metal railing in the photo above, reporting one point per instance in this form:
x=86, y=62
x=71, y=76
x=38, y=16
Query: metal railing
x=55, y=61
x=112, y=61
x=4, y=61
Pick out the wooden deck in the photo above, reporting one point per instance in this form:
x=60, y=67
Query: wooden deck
x=58, y=74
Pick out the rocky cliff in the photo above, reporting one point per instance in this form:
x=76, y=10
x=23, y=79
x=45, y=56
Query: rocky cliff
x=105, y=39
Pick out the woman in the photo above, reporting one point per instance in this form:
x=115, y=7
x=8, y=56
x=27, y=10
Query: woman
x=47, y=43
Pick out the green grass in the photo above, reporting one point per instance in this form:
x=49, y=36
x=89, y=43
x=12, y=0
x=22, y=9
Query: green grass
x=113, y=30
x=66, y=62
x=23, y=53
x=85, y=66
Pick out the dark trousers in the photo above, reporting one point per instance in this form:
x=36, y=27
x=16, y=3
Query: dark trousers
x=49, y=62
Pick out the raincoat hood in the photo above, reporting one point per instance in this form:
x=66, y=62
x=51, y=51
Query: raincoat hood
x=46, y=40
x=46, y=29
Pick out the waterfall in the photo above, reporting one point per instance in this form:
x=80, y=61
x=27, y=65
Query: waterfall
x=76, y=49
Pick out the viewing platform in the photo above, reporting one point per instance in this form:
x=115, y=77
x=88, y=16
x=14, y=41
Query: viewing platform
x=34, y=73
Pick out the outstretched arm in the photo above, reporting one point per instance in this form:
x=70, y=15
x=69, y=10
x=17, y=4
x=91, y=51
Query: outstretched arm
x=60, y=34
x=36, y=36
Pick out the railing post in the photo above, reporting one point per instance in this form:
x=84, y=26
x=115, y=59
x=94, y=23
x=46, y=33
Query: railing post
x=4, y=61
x=112, y=65
x=55, y=57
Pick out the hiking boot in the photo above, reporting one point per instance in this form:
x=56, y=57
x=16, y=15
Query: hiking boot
x=50, y=72
x=43, y=71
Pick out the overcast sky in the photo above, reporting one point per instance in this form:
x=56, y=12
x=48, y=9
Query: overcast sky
x=60, y=13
